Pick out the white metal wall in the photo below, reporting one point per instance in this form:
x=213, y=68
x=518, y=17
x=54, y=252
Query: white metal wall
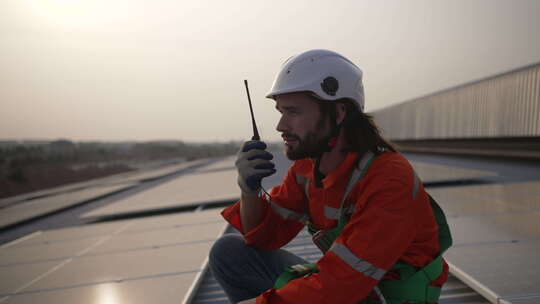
x=505, y=105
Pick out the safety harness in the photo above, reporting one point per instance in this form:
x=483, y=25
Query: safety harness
x=412, y=286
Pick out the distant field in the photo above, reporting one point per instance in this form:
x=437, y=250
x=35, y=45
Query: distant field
x=27, y=167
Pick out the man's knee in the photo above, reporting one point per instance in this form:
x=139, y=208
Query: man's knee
x=226, y=247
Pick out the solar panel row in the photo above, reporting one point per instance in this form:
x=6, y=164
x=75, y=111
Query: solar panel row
x=109, y=260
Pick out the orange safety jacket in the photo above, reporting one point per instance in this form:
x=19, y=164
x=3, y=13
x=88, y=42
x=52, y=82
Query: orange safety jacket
x=390, y=220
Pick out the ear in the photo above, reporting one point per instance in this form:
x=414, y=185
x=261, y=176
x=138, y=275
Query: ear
x=341, y=112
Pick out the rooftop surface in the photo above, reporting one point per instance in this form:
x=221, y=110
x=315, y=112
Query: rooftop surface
x=67, y=257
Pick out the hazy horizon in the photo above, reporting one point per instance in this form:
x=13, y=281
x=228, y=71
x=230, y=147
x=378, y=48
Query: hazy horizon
x=124, y=70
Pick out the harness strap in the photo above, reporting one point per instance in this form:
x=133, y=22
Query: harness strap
x=445, y=237
x=414, y=287
x=324, y=239
x=294, y=272
x=357, y=174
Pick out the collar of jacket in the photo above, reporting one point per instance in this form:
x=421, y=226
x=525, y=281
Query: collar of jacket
x=339, y=174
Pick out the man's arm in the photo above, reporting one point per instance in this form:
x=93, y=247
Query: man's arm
x=255, y=215
x=251, y=211
x=253, y=164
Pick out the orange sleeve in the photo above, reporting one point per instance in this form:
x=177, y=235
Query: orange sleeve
x=274, y=231
x=378, y=233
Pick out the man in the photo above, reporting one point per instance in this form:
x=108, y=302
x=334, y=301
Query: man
x=361, y=200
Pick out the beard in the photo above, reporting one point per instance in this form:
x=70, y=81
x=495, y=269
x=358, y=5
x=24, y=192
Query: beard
x=312, y=145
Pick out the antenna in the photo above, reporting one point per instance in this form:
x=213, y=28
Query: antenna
x=255, y=131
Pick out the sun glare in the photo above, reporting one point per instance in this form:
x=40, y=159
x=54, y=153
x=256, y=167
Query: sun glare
x=107, y=294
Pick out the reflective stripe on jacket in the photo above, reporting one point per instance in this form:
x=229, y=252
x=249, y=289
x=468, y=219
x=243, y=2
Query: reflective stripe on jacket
x=391, y=221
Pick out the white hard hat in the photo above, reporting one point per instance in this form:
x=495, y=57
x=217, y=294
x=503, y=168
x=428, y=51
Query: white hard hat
x=326, y=74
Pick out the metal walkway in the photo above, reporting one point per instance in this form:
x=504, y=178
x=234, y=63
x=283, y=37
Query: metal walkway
x=209, y=291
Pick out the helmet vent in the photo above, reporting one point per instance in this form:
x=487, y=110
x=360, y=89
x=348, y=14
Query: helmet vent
x=330, y=85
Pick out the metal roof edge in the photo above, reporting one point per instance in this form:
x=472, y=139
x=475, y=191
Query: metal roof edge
x=487, y=293
x=198, y=279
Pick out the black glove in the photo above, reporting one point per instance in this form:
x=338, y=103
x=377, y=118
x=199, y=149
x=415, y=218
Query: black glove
x=253, y=164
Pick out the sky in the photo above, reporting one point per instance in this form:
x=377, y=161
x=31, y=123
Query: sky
x=117, y=70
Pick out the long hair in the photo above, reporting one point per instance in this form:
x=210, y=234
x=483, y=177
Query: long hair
x=360, y=131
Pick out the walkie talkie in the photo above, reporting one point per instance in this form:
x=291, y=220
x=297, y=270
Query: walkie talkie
x=254, y=182
x=255, y=131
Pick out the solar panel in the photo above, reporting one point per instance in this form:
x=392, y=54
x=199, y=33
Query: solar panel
x=127, y=258
x=54, y=251
x=38, y=207
x=130, y=177
x=161, y=238
x=119, y=266
x=215, y=182
x=429, y=172
x=15, y=277
x=507, y=269
x=66, y=234
x=531, y=299
x=168, y=288
x=149, y=174
x=184, y=190
x=226, y=163
x=496, y=234
x=488, y=199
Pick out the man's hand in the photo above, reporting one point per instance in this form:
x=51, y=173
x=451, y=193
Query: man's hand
x=253, y=164
x=249, y=301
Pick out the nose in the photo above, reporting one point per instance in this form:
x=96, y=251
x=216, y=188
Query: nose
x=282, y=125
